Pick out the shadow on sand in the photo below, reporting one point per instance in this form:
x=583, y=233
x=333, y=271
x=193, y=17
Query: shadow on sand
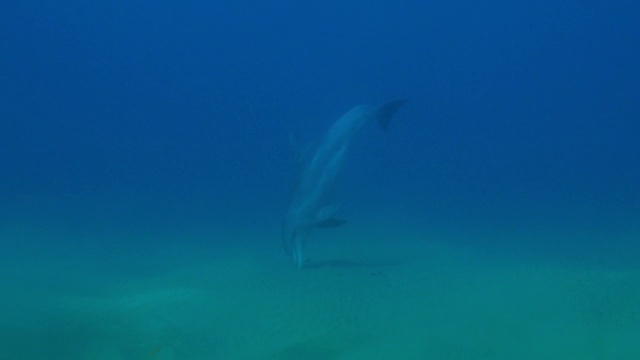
x=349, y=264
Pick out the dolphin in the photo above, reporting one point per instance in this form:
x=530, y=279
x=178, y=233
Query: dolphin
x=310, y=206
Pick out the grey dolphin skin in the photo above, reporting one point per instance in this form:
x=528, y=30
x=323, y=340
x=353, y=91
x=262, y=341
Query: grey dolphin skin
x=310, y=205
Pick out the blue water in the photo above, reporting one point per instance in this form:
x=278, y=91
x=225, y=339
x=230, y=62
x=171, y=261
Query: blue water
x=125, y=125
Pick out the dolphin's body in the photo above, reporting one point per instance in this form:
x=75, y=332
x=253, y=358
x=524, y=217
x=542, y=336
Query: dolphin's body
x=310, y=205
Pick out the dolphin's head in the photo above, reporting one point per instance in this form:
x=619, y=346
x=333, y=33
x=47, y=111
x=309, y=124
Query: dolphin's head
x=293, y=234
x=289, y=233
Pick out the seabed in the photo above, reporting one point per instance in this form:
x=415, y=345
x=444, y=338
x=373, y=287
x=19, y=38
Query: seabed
x=363, y=295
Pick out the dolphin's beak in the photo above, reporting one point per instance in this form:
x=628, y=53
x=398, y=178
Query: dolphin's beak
x=297, y=254
x=293, y=245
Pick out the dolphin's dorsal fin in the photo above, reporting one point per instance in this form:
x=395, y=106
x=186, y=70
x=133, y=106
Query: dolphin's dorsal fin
x=385, y=111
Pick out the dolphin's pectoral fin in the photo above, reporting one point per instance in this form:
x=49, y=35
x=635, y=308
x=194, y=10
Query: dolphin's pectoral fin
x=330, y=223
x=327, y=212
x=326, y=217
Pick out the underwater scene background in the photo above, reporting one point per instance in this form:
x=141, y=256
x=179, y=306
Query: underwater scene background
x=146, y=169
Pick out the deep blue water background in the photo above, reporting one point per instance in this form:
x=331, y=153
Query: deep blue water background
x=153, y=117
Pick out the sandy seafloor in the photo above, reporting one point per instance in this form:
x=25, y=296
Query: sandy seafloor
x=369, y=293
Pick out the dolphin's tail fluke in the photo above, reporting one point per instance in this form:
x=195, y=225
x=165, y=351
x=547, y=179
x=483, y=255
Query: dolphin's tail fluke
x=387, y=110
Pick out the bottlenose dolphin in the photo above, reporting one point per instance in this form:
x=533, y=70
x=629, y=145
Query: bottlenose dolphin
x=310, y=206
